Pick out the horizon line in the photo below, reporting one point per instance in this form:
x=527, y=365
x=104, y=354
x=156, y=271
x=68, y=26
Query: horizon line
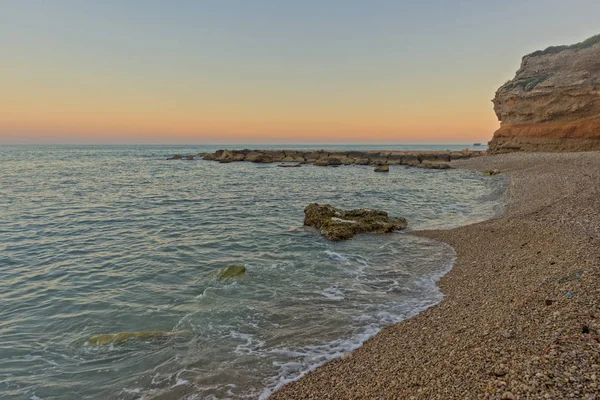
x=242, y=144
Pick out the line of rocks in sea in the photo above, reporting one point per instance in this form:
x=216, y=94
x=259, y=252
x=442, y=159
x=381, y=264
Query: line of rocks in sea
x=422, y=159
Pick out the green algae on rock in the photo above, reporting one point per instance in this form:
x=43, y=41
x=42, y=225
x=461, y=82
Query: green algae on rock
x=116, y=338
x=229, y=272
x=337, y=224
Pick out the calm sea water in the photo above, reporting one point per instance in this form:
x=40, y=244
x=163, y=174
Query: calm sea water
x=108, y=239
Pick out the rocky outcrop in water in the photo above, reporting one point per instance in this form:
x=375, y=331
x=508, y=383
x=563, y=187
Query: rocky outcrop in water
x=434, y=165
x=335, y=158
x=553, y=102
x=337, y=224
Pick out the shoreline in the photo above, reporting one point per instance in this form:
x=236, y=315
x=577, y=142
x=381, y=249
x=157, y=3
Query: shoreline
x=520, y=314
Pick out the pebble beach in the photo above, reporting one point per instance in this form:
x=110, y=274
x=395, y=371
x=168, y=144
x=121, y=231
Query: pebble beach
x=520, y=315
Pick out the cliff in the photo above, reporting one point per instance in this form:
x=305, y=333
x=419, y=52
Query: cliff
x=553, y=102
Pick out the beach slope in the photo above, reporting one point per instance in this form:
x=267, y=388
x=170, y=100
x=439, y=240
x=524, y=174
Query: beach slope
x=520, y=316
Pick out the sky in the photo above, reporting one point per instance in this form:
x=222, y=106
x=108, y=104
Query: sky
x=268, y=71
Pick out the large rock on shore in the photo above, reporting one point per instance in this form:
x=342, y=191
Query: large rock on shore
x=337, y=224
x=553, y=102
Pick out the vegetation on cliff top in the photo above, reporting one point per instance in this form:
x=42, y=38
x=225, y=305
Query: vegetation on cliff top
x=527, y=84
x=577, y=46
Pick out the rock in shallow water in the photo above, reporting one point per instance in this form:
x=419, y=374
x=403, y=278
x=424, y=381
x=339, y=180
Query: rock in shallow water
x=337, y=224
x=382, y=168
x=231, y=271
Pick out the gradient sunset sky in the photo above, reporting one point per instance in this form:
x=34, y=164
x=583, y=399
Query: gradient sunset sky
x=241, y=71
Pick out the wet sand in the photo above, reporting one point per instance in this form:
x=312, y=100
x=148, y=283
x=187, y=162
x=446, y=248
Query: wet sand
x=520, y=316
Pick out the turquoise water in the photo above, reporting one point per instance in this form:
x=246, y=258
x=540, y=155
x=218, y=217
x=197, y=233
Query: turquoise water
x=108, y=239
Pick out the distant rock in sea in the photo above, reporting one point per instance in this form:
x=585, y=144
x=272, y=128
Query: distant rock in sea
x=553, y=102
x=437, y=159
x=337, y=224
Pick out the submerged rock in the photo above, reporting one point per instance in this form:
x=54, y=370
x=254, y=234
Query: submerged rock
x=115, y=338
x=382, y=168
x=231, y=271
x=337, y=224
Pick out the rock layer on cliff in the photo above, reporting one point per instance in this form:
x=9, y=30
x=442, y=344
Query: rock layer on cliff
x=553, y=102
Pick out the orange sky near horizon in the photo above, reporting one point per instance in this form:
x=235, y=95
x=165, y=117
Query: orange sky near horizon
x=91, y=106
x=94, y=123
x=268, y=71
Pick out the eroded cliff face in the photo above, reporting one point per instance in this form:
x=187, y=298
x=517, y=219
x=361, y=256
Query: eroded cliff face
x=553, y=102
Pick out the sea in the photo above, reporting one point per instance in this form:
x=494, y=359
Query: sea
x=108, y=239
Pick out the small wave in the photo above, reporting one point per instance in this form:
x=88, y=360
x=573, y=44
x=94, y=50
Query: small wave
x=333, y=293
x=337, y=256
x=27, y=357
x=251, y=346
x=313, y=357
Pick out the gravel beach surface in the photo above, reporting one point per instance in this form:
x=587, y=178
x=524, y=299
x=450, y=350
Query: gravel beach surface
x=520, y=319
